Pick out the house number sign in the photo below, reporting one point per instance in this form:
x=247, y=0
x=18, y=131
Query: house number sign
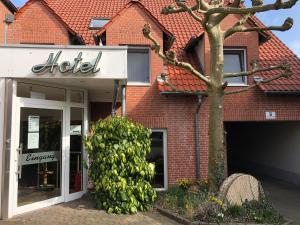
x=75, y=67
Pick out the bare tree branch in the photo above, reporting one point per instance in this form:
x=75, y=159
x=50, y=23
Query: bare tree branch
x=237, y=25
x=170, y=56
x=288, y=23
x=284, y=66
x=201, y=6
x=284, y=74
x=189, y=10
x=279, y=4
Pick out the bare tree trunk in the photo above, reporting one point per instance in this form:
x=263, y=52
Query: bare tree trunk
x=216, y=164
x=213, y=14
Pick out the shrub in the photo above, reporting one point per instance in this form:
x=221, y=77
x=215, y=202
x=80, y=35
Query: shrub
x=117, y=151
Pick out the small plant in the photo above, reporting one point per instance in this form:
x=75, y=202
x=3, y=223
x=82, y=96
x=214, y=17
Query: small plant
x=235, y=210
x=185, y=183
x=201, y=205
x=203, y=185
x=218, y=202
x=117, y=151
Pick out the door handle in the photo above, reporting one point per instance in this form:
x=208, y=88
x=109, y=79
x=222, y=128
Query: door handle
x=20, y=152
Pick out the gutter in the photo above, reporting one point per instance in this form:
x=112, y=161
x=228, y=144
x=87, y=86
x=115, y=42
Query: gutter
x=183, y=93
x=295, y=93
x=197, y=138
x=12, y=8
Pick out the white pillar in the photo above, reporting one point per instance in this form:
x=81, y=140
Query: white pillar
x=2, y=99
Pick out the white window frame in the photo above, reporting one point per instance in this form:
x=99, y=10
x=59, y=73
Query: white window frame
x=141, y=84
x=65, y=106
x=245, y=83
x=165, y=151
x=95, y=27
x=2, y=131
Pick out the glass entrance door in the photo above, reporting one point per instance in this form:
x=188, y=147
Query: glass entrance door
x=46, y=160
x=39, y=155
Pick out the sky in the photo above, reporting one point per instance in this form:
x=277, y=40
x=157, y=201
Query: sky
x=291, y=37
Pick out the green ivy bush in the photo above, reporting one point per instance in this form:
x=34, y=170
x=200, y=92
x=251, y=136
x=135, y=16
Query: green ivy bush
x=117, y=151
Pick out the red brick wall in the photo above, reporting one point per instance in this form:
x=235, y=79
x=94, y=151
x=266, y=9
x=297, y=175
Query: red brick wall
x=35, y=24
x=147, y=106
x=3, y=12
x=176, y=114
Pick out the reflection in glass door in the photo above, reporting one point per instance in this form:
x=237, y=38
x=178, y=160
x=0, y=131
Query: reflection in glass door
x=76, y=150
x=40, y=152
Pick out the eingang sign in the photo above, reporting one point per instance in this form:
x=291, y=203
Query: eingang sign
x=30, y=61
x=40, y=157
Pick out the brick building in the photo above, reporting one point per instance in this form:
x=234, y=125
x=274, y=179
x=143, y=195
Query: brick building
x=261, y=124
x=6, y=10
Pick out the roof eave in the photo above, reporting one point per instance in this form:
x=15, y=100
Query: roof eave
x=12, y=8
x=183, y=93
x=193, y=42
x=277, y=92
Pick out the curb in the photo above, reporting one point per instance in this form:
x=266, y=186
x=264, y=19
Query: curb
x=185, y=221
x=173, y=216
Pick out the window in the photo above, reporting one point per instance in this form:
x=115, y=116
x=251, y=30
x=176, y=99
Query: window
x=97, y=23
x=37, y=91
x=77, y=96
x=234, y=61
x=158, y=156
x=138, y=66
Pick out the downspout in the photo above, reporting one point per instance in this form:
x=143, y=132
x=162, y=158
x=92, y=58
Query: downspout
x=114, y=102
x=9, y=18
x=197, y=138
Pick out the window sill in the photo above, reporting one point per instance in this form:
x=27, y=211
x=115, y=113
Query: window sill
x=160, y=189
x=137, y=84
x=237, y=85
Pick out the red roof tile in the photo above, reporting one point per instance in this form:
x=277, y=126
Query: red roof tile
x=77, y=14
x=275, y=51
x=60, y=19
x=122, y=11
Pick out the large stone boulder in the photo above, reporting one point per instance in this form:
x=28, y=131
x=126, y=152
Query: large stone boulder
x=239, y=188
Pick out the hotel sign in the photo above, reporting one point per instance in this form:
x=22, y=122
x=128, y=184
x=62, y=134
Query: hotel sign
x=75, y=67
x=29, y=61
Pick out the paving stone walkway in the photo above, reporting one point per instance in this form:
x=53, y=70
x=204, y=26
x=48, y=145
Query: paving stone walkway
x=82, y=212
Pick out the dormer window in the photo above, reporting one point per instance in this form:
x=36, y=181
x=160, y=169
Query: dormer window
x=97, y=23
x=235, y=61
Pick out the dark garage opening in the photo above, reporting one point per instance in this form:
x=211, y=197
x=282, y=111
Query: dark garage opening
x=264, y=149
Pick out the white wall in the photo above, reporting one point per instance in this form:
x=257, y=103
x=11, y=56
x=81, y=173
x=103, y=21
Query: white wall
x=270, y=148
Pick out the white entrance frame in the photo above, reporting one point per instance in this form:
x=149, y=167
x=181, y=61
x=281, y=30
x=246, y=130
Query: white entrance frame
x=165, y=146
x=66, y=106
x=2, y=96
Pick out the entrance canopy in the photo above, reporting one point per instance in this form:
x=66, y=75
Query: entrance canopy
x=92, y=68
